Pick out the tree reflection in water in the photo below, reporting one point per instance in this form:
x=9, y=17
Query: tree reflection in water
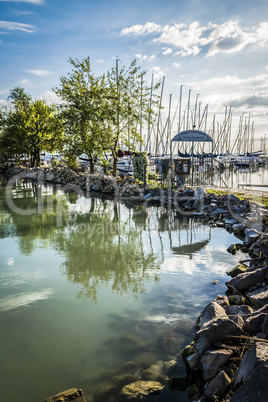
x=102, y=247
x=101, y=241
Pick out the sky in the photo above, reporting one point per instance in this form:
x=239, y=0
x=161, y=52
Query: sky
x=216, y=49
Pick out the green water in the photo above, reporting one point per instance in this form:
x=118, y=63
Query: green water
x=87, y=284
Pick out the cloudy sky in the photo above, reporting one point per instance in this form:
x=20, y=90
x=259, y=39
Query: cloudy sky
x=215, y=48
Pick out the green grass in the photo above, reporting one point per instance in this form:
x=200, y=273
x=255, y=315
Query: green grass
x=259, y=198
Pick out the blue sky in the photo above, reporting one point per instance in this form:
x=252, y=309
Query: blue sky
x=216, y=48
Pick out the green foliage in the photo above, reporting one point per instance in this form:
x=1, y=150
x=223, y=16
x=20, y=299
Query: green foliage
x=128, y=106
x=82, y=110
x=138, y=160
x=153, y=176
x=71, y=160
x=29, y=127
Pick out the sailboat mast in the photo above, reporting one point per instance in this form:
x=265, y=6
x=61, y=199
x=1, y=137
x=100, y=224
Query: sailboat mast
x=159, y=113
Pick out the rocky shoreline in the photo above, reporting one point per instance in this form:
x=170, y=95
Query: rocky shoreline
x=228, y=358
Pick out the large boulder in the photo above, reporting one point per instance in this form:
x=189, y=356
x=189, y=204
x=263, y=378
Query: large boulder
x=214, y=331
x=212, y=311
x=213, y=360
x=259, y=297
x=255, y=388
x=251, y=235
x=264, y=247
x=72, y=394
x=233, y=199
x=254, y=322
x=245, y=280
x=218, y=386
x=141, y=391
x=243, y=311
x=252, y=358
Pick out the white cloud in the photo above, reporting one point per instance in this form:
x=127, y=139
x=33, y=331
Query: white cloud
x=145, y=57
x=16, y=26
x=51, y=97
x=158, y=73
x=25, y=82
x=40, y=73
x=191, y=39
x=166, y=51
x=228, y=38
x=181, y=35
x=262, y=33
x=175, y=64
x=148, y=28
x=244, y=94
x=100, y=61
x=26, y=1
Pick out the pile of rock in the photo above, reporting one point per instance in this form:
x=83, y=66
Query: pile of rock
x=229, y=351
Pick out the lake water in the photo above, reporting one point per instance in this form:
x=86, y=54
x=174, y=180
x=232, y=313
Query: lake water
x=87, y=284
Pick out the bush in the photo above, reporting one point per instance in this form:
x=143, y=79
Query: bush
x=139, y=159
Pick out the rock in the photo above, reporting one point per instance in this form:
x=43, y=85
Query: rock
x=245, y=280
x=170, y=368
x=129, y=367
x=171, y=341
x=222, y=300
x=218, y=386
x=232, y=249
x=233, y=199
x=141, y=391
x=72, y=394
x=238, y=227
x=50, y=176
x=213, y=360
x=240, y=268
x=214, y=331
x=258, y=297
x=243, y=311
x=147, y=196
x=130, y=342
x=193, y=360
x=96, y=187
x=106, y=390
x=252, y=358
x=254, y=322
x=145, y=359
x=264, y=247
x=251, y=235
x=211, y=311
x=237, y=300
x=154, y=373
x=264, y=325
x=255, y=388
x=230, y=221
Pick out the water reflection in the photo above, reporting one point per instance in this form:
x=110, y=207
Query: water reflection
x=104, y=250
x=23, y=299
x=102, y=242
x=100, y=248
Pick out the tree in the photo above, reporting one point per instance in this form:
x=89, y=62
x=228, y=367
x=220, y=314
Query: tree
x=127, y=107
x=82, y=94
x=29, y=127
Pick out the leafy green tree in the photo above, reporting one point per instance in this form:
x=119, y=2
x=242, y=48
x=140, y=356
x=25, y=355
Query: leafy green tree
x=29, y=127
x=82, y=94
x=128, y=105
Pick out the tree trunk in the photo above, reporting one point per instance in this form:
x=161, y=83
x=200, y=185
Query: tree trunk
x=115, y=167
x=37, y=158
x=32, y=159
x=91, y=165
